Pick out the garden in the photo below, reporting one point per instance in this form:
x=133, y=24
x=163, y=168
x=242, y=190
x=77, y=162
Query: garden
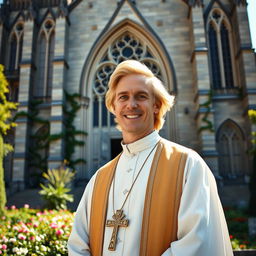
x=237, y=220
x=33, y=232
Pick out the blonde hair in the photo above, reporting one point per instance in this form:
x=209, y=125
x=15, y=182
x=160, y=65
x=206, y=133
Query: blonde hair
x=163, y=99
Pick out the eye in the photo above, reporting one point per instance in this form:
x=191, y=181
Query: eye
x=142, y=97
x=123, y=97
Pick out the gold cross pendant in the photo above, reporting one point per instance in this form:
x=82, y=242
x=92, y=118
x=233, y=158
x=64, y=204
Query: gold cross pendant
x=118, y=221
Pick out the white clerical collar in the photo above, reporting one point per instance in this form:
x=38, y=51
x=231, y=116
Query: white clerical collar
x=141, y=144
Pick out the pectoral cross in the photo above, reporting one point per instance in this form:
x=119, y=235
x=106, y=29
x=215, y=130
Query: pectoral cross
x=118, y=221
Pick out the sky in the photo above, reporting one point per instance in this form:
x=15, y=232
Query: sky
x=252, y=20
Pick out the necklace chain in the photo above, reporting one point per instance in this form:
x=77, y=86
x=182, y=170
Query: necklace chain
x=133, y=181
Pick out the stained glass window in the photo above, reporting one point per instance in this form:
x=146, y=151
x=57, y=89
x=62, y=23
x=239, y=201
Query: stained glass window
x=220, y=50
x=13, y=51
x=226, y=57
x=215, y=63
x=45, y=55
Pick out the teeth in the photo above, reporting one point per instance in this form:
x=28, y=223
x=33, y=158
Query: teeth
x=132, y=116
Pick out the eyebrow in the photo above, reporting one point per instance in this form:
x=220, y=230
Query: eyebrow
x=138, y=92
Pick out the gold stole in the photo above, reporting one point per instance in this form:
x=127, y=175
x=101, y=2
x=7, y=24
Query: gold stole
x=162, y=200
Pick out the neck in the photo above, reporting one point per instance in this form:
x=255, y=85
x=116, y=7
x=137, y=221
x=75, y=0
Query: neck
x=130, y=138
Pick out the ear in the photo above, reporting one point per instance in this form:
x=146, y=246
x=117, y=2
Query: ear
x=156, y=108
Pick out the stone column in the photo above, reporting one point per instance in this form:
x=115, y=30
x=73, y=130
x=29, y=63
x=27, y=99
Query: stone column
x=19, y=164
x=59, y=68
x=202, y=86
x=246, y=55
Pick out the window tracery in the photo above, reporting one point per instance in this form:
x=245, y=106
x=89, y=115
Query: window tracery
x=221, y=51
x=230, y=144
x=127, y=46
x=15, y=46
x=45, y=55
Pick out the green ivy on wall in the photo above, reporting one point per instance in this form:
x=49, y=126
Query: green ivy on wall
x=70, y=110
x=39, y=142
x=206, y=123
x=42, y=138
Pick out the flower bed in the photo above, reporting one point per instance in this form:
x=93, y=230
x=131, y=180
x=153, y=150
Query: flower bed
x=237, y=221
x=33, y=232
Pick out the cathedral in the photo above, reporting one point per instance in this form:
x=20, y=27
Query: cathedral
x=58, y=56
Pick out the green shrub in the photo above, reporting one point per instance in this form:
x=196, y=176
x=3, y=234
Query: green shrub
x=55, y=193
x=237, y=221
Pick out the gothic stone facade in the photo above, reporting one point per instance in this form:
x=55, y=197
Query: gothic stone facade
x=201, y=50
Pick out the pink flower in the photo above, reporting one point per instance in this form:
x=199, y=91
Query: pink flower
x=1, y=252
x=21, y=237
x=53, y=225
x=13, y=207
x=32, y=238
x=35, y=225
x=5, y=240
x=26, y=206
x=59, y=232
x=4, y=246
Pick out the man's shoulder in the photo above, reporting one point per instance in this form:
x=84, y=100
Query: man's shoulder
x=172, y=145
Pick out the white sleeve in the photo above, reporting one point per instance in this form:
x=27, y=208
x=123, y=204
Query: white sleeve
x=78, y=242
x=202, y=228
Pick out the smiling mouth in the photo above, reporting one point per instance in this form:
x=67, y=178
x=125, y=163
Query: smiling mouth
x=132, y=116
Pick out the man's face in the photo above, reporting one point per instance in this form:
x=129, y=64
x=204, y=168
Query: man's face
x=134, y=107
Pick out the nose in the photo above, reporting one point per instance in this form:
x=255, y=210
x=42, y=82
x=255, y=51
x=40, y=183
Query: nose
x=132, y=103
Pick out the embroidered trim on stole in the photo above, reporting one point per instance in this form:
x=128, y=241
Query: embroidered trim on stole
x=166, y=151
x=99, y=206
x=160, y=218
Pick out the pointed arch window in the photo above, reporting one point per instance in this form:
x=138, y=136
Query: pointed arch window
x=127, y=46
x=220, y=50
x=231, y=149
x=15, y=46
x=45, y=55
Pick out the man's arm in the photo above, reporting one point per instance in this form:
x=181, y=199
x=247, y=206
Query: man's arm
x=202, y=228
x=78, y=242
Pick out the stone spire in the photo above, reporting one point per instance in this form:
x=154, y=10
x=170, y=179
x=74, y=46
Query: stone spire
x=194, y=3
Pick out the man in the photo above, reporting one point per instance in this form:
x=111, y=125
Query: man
x=155, y=198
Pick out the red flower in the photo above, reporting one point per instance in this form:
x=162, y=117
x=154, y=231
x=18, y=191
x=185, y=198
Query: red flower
x=240, y=219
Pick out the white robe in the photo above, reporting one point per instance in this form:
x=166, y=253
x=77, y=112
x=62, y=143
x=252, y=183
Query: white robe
x=202, y=229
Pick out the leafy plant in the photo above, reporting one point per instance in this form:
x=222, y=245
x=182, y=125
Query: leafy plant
x=252, y=185
x=6, y=108
x=55, y=193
